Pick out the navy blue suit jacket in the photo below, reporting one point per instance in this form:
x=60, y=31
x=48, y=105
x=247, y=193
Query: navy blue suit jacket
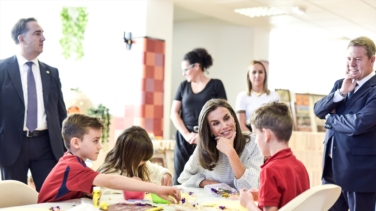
x=12, y=109
x=353, y=128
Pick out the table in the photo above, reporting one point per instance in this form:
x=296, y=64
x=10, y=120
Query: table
x=84, y=204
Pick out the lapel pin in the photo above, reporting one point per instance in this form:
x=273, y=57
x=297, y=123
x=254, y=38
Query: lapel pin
x=48, y=72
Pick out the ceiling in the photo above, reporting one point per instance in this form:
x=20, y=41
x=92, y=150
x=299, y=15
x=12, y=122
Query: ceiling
x=340, y=19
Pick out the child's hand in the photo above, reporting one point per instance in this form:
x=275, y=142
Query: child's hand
x=246, y=197
x=169, y=193
x=166, y=180
x=255, y=193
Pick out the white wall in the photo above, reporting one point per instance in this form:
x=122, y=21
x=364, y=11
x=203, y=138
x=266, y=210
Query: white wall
x=101, y=70
x=305, y=61
x=261, y=44
x=160, y=25
x=231, y=46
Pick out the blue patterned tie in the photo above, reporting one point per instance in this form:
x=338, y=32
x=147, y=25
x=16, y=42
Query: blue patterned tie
x=352, y=92
x=32, y=103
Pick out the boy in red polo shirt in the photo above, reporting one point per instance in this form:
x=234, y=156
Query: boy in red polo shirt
x=282, y=176
x=71, y=178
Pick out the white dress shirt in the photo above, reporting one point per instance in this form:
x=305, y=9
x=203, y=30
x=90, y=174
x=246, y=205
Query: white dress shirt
x=42, y=122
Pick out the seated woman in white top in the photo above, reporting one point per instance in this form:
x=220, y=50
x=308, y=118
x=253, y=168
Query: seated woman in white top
x=224, y=154
x=130, y=157
x=256, y=95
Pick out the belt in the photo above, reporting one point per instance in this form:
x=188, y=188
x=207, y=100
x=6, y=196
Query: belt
x=192, y=128
x=35, y=133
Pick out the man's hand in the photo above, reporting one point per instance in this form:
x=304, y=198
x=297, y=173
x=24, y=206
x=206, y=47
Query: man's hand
x=166, y=180
x=348, y=84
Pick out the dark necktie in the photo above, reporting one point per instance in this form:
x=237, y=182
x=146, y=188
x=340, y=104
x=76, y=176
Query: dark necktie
x=32, y=103
x=352, y=92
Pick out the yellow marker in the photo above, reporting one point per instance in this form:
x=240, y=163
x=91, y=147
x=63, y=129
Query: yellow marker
x=96, y=196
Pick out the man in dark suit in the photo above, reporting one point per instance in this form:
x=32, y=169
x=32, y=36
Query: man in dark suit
x=350, y=142
x=31, y=109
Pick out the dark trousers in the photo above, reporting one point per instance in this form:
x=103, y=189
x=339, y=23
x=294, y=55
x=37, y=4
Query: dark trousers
x=355, y=201
x=183, y=150
x=36, y=155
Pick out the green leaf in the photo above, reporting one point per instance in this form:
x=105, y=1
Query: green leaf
x=73, y=31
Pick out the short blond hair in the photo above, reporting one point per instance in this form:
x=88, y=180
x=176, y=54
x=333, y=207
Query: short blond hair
x=366, y=42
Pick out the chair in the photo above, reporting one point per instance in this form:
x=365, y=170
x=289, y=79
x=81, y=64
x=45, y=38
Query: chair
x=15, y=193
x=318, y=198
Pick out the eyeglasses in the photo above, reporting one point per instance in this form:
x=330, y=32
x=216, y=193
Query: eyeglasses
x=187, y=68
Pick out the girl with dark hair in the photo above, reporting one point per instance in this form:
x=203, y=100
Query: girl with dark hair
x=224, y=154
x=192, y=94
x=130, y=157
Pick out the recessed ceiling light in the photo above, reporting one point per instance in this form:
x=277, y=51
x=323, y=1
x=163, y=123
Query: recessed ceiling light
x=259, y=11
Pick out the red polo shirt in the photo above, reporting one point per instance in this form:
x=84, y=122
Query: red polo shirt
x=282, y=178
x=69, y=179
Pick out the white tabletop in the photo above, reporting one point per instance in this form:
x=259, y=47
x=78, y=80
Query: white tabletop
x=201, y=196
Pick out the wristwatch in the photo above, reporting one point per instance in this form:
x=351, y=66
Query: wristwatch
x=339, y=92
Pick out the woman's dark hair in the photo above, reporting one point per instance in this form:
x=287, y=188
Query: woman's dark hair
x=200, y=56
x=207, y=145
x=132, y=147
x=20, y=28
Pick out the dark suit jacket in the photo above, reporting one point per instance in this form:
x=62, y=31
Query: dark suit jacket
x=353, y=128
x=12, y=109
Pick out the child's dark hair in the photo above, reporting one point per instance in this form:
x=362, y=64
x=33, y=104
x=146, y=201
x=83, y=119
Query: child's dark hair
x=276, y=117
x=131, y=148
x=200, y=56
x=77, y=125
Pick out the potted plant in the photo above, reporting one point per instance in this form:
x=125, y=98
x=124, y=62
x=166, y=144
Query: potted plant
x=103, y=113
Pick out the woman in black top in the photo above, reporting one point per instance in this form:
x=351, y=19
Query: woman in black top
x=192, y=94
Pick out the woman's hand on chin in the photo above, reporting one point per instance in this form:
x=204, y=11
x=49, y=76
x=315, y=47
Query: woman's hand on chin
x=225, y=145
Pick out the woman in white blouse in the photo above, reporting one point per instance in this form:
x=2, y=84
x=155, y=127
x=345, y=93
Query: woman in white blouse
x=256, y=95
x=224, y=154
